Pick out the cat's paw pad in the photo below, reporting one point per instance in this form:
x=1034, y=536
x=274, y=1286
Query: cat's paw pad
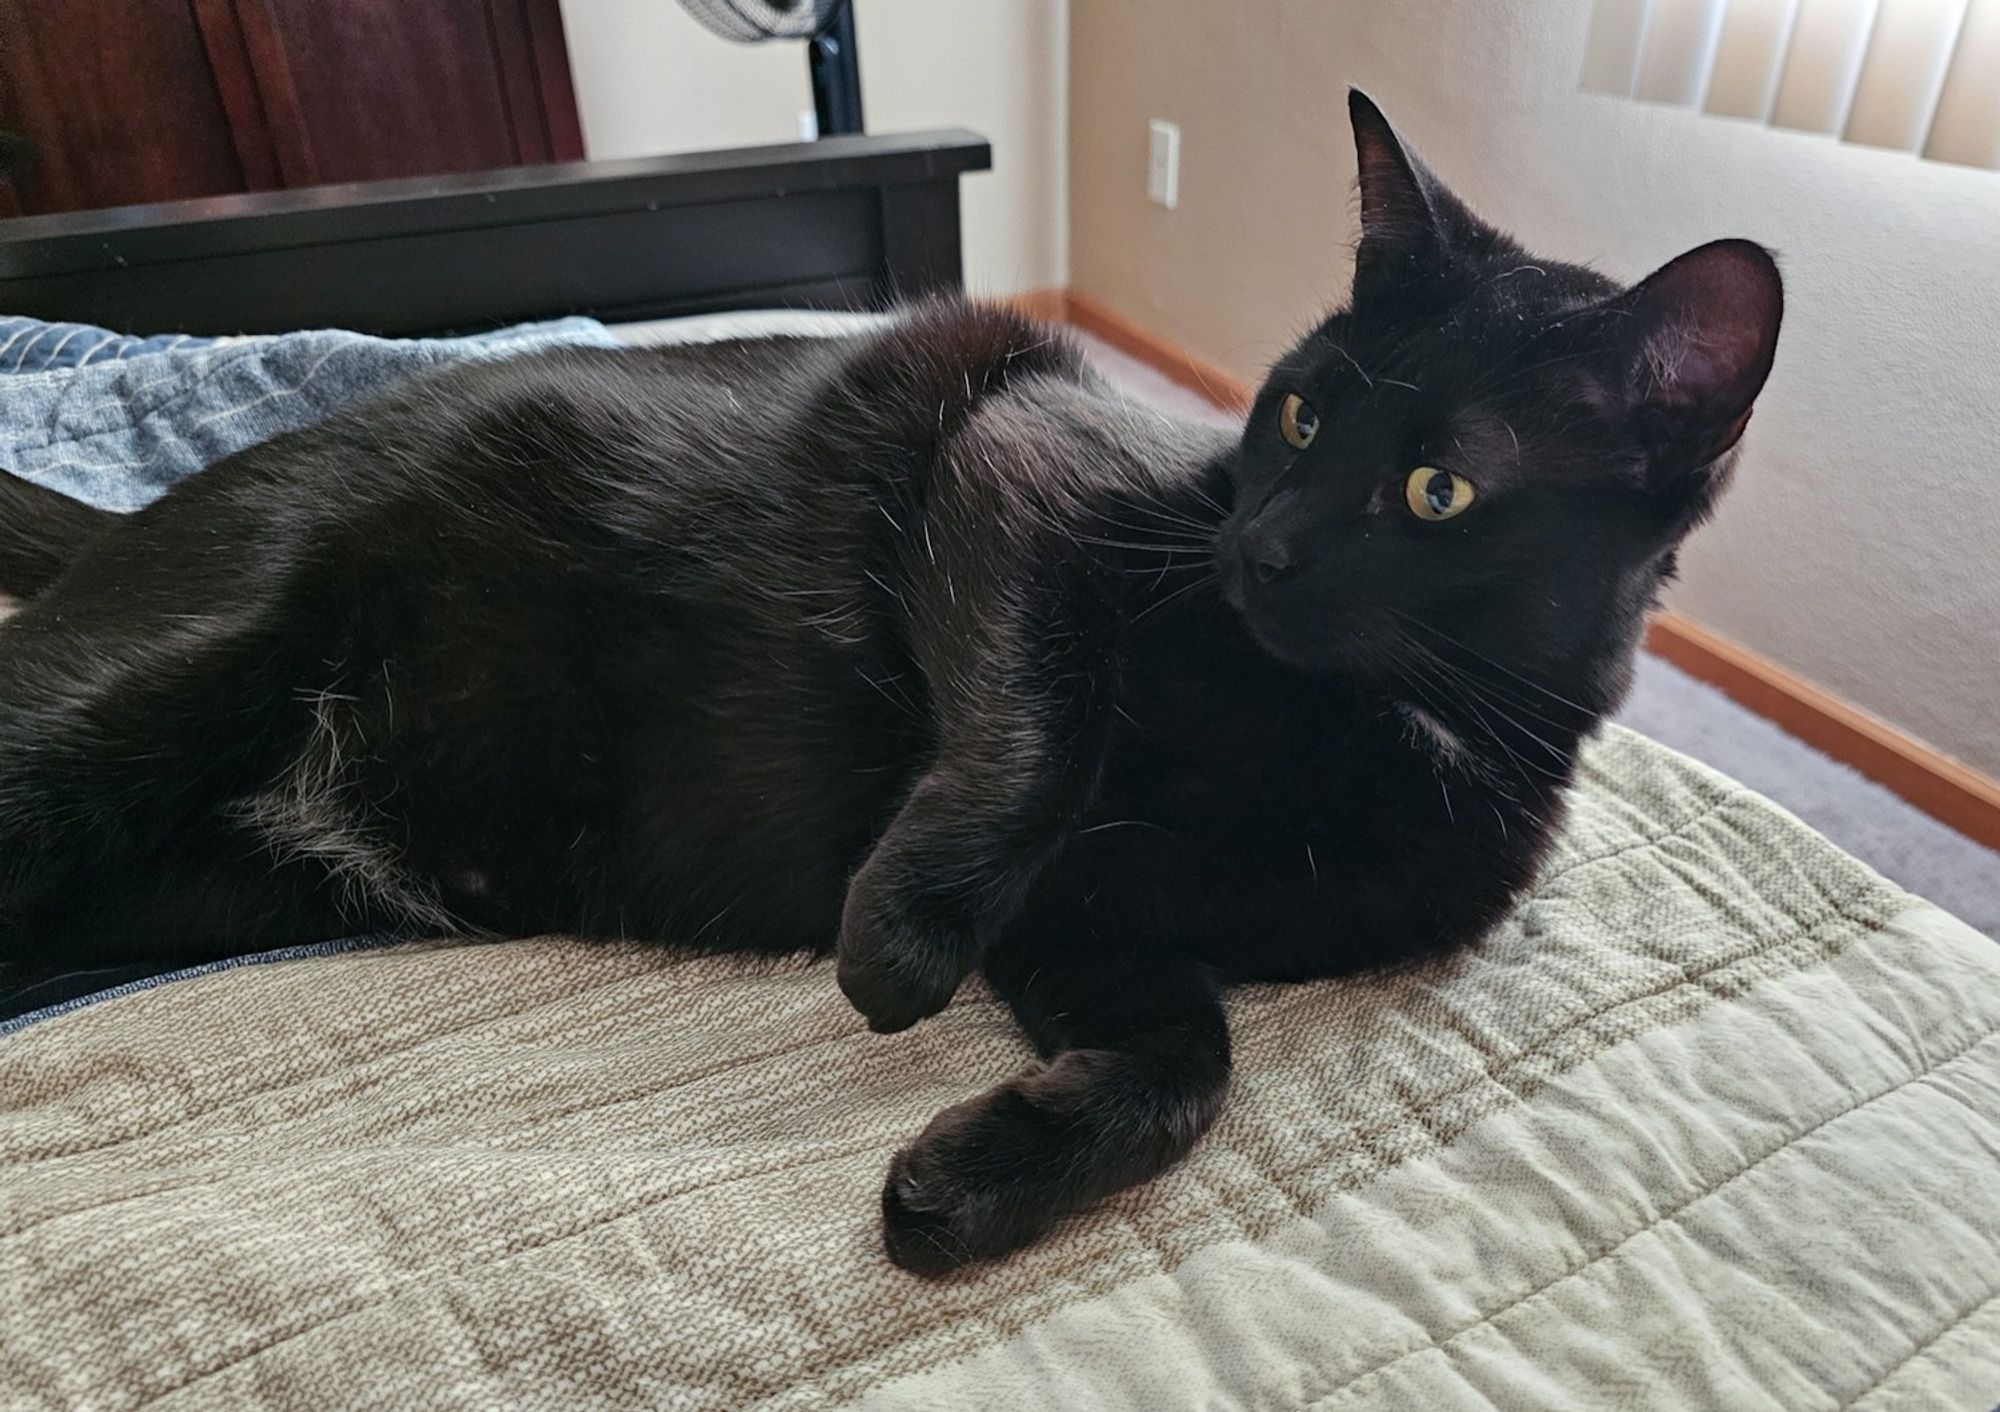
x=919, y=1231
x=891, y=971
x=958, y=1194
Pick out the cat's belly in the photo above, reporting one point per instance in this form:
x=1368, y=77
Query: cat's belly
x=699, y=851
x=753, y=867
x=648, y=785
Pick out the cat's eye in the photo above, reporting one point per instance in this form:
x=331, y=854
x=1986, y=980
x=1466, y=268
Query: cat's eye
x=1437, y=495
x=1298, y=421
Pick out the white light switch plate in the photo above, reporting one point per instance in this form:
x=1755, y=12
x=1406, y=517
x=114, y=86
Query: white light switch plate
x=1163, y=163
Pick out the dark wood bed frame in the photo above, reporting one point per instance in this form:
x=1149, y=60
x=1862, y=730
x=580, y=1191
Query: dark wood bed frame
x=845, y=222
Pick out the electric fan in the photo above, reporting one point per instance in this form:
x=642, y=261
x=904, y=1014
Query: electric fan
x=827, y=26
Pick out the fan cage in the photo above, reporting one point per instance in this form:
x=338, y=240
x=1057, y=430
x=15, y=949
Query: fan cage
x=754, y=21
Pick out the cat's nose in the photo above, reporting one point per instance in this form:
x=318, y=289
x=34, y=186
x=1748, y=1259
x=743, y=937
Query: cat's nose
x=1270, y=560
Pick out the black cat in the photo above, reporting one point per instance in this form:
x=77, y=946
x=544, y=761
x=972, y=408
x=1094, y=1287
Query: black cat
x=922, y=644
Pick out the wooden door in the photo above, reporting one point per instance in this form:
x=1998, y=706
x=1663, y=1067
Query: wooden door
x=354, y=90
x=122, y=101
x=112, y=102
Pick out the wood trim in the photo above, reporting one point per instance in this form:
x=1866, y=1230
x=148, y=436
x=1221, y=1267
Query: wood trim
x=1218, y=385
x=1046, y=306
x=1948, y=790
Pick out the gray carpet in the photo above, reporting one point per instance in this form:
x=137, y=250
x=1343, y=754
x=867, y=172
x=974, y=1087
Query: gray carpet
x=1868, y=821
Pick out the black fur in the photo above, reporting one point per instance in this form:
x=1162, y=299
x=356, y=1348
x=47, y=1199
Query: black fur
x=40, y=533
x=922, y=645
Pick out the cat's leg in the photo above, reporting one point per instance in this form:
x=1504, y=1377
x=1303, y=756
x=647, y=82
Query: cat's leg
x=1135, y=1067
x=1021, y=682
x=210, y=891
x=976, y=554
x=954, y=864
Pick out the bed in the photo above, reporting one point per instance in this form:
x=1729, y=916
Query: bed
x=1713, y=1120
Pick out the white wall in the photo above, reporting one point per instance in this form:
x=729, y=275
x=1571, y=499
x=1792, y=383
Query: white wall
x=649, y=79
x=1861, y=544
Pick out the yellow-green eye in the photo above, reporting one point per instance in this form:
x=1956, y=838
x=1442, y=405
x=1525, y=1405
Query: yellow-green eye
x=1437, y=495
x=1298, y=421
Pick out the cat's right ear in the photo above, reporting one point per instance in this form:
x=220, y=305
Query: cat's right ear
x=1395, y=188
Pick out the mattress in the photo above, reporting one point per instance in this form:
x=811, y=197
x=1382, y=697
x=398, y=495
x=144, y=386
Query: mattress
x=1712, y=1122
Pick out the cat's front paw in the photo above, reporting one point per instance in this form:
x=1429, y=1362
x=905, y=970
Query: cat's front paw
x=963, y=1191
x=892, y=968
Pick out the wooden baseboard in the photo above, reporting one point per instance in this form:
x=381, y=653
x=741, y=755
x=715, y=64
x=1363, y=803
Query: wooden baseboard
x=1049, y=306
x=1218, y=385
x=1948, y=790
x=1066, y=306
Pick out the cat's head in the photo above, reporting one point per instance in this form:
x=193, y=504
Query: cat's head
x=1488, y=454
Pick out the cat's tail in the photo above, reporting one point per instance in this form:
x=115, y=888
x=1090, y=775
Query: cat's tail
x=41, y=531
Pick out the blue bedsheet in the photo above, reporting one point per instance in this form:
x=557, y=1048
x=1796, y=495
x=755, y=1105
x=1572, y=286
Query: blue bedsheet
x=115, y=419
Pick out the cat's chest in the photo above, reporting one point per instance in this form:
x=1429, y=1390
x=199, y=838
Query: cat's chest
x=1222, y=751
x=1303, y=847
x=1216, y=824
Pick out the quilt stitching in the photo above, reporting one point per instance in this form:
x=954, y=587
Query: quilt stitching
x=357, y=1062
x=994, y=1321
x=1665, y=1218
x=692, y=1077
x=1535, y=1047
x=1540, y=1046
x=1969, y=1312
x=212, y=362
x=1646, y=842
x=216, y=361
x=869, y=1363
x=388, y=1293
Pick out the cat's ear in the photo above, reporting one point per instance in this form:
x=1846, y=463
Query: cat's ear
x=1408, y=219
x=1696, y=342
x=1395, y=187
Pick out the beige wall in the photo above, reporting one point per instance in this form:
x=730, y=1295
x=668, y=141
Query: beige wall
x=1861, y=545
x=649, y=79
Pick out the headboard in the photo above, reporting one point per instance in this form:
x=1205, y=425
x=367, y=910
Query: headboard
x=845, y=222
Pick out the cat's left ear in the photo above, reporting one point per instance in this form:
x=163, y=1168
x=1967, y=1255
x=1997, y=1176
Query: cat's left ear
x=1695, y=343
